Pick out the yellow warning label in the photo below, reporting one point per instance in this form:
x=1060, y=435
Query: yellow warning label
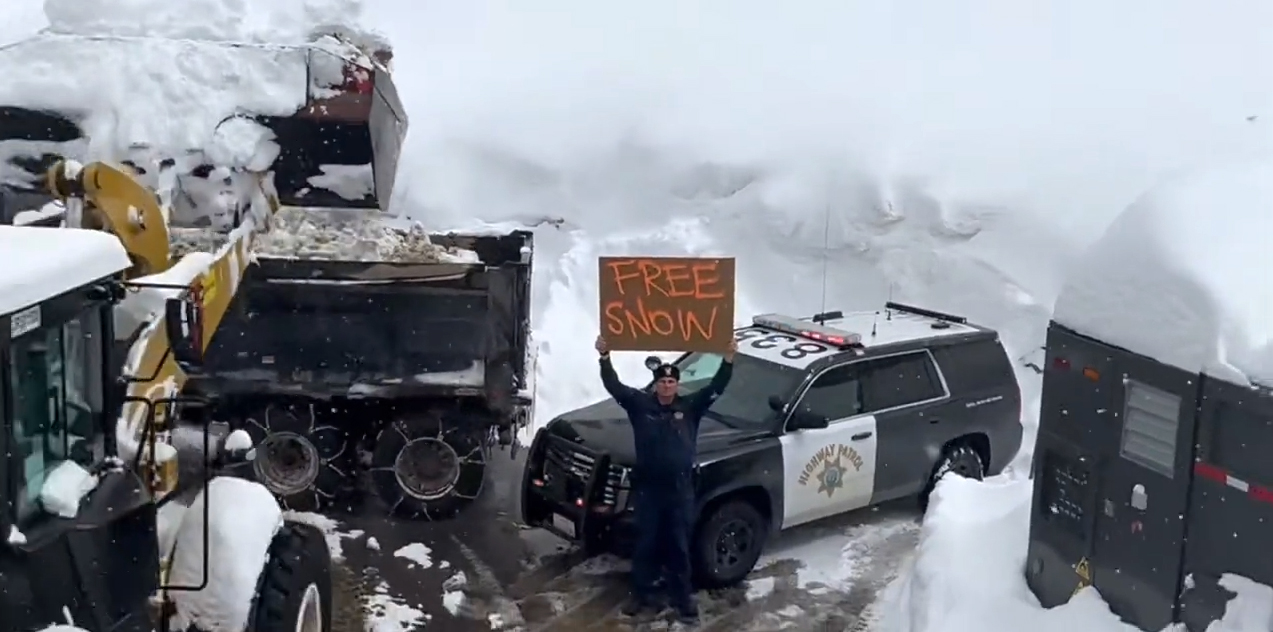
x=1081, y=586
x=1084, y=571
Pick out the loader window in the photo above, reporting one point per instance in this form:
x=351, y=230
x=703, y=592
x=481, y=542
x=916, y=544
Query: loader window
x=56, y=393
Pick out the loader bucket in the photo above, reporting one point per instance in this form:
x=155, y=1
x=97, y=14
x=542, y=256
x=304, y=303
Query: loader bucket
x=339, y=150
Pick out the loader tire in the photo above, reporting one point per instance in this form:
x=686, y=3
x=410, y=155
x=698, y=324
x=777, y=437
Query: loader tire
x=429, y=466
x=295, y=591
x=300, y=459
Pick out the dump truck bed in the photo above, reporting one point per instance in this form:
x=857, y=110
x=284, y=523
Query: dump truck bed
x=347, y=328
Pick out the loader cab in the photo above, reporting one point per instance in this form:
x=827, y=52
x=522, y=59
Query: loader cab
x=64, y=550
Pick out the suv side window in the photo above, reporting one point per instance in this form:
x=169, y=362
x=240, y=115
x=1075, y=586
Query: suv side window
x=835, y=394
x=900, y=380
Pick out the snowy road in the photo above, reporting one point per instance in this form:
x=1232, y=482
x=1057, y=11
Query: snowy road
x=482, y=571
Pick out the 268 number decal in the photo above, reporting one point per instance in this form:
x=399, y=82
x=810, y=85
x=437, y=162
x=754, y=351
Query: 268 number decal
x=795, y=348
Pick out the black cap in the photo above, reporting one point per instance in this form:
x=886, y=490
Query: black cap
x=667, y=370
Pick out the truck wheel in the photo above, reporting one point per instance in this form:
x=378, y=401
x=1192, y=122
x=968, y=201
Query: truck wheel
x=727, y=544
x=960, y=459
x=429, y=466
x=296, y=584
x=299, y=460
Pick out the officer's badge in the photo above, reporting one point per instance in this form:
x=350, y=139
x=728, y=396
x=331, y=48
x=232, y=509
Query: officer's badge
x=831, y=478
x=678, y=415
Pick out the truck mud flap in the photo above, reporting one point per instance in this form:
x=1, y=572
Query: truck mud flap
x=538, y=509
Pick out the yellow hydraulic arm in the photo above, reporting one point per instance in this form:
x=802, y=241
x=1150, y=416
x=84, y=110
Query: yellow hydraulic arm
x=113, y=200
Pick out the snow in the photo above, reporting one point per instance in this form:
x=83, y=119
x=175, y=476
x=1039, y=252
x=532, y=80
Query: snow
x=168, y=94
x=41, y=263
x=243, y=519
x=316, y=234
x=287, y=22
x=967, y=573
x=1182, y=275
x=16, y=537
x=967, y=570
x=416, y=553
x=65, y=487
x=386, y=613
x=352, y=182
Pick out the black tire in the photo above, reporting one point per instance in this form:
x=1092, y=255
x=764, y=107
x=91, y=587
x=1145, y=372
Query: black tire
x=959, y=459
x=727, y=544
x=299, y=459
x=299, y=568
x=429, y=466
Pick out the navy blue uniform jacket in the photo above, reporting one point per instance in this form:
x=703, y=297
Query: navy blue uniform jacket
x=666, y=437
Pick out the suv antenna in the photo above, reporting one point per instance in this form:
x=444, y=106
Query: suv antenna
x=875, y=322
x=826, y=247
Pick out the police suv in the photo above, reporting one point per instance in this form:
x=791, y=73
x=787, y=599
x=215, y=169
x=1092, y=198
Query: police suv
x=822, y=416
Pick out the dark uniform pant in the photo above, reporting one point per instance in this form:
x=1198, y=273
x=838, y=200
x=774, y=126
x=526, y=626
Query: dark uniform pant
x=664, y=517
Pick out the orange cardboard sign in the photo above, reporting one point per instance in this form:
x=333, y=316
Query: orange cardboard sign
x=667, y=303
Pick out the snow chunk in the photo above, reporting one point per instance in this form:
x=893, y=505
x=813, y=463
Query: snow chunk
x=1251, y=609
x=16, y=538
x=386, y=613
x=417, y=553
x=351, y=182
x=238, y=440
x=373, y=544
x=1182, y=275
x=241, y=142
x=64, y=488
x=41, y=263
x=167, y=94
x=243, y=518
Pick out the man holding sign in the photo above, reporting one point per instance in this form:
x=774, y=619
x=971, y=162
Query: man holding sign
x=665, y=432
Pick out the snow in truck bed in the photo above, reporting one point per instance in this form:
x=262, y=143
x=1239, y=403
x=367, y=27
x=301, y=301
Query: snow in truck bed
x=331, y=235
x=1185, y=275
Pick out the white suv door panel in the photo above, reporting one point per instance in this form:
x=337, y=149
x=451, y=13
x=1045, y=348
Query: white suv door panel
x=828, y=471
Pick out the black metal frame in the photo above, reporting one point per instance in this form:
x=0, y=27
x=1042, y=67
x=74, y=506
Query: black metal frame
x=589, y=525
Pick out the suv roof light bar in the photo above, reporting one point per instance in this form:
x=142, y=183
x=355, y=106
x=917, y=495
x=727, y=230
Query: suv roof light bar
x=919, y=311
x=805, y=329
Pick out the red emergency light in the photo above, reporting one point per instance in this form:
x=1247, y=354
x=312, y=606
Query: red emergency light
x=805, y=329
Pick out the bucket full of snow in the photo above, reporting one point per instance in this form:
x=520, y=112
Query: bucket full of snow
x=326, y=115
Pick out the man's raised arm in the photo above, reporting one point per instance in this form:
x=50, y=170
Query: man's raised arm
x=702, y=399
x=622, y=393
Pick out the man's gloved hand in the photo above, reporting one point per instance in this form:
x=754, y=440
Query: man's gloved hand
x=602, y=347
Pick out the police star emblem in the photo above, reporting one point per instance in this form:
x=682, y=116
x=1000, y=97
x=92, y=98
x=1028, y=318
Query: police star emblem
x=831, y=477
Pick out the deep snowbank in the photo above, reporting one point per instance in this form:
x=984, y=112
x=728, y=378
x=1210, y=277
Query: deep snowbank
x=968, y=574
x=968, y=571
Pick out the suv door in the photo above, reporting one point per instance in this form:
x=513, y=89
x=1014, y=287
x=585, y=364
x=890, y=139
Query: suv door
x=907, y=395
x=827, y=471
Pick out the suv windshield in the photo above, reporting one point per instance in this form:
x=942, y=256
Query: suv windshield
x=746, y=400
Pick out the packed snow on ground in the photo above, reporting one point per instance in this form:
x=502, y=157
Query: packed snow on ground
x=416, y=553
x=1183, y=275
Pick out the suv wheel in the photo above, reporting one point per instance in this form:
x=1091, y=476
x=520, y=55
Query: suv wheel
x=727, y=544
x=959, y=459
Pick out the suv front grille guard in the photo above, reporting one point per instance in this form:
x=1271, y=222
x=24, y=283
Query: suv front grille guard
x=585, y=483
